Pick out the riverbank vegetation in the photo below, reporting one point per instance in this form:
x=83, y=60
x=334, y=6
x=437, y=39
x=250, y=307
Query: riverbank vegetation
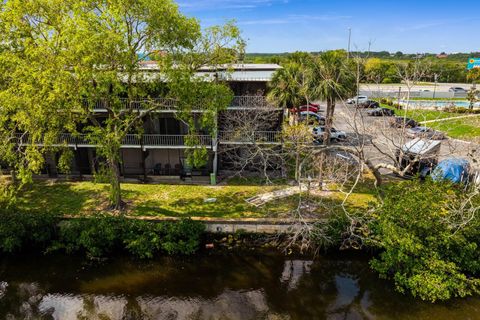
x=429, y=239
x=424, y=236
x=97, y=236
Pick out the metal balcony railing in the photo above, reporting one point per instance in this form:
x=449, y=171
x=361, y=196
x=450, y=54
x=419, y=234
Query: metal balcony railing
x=254, y=137
x=251, y=102
x=161, y=104
x=154, y=140
x=170, y=105
x=174, y=140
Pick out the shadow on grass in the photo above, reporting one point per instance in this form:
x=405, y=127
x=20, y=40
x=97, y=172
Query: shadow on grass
x=224, y=207
x=62, y=198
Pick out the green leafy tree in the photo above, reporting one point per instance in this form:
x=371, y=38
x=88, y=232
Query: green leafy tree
x=376, y=70
x=36, y=81
x=428, y=234
x=474, y=75
x=63, y=56
x=472, y=97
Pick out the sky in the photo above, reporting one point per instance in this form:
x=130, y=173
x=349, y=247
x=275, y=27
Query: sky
x=274, y=26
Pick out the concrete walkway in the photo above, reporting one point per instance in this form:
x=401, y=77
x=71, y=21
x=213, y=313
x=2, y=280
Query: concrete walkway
x=452, y=118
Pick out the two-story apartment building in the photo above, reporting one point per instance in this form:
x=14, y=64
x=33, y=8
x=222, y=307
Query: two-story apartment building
x=159, y=153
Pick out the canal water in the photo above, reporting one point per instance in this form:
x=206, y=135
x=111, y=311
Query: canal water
x=236, y=286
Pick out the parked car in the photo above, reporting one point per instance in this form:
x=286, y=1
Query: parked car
x=369, y=104
x=457, y=90
x=357, y=100
x=401, y=122
x=336, y=135
x=313, y=107
x=312, y=118
x=424, y=132
x=381, y=112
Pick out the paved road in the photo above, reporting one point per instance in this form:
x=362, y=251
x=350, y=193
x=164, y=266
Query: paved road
x=440, y=87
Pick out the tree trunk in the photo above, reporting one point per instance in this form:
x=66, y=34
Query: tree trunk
x=297, y=167
x=326, y=138
x=328, y=121
x=116, y=202
x=320, y=170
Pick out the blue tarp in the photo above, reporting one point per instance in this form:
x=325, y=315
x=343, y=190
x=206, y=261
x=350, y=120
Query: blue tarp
x=454, y=169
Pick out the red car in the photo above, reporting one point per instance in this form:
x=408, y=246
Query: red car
x=312, y=107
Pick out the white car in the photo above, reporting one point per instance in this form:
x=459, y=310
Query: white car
x=358, y=100
x=335, y=134
x=457, y=90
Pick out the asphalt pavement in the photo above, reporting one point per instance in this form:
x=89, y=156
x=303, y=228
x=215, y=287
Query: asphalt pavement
x=379, y=141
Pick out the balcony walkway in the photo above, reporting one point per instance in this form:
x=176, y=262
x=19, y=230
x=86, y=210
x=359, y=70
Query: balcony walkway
x=160, y=141
x=163, y=105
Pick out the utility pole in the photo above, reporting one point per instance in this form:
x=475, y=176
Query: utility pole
x=399, y=94
x=349, y=41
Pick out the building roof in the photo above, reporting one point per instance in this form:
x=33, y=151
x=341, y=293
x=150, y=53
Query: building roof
x=233, y=72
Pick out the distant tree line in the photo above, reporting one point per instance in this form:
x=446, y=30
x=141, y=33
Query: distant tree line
x=380, y=67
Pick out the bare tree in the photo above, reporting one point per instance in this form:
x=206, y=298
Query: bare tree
x=251, y=142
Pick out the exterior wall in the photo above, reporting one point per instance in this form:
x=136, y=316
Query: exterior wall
x=136, y=162
x=164, y=124
x=248, y=88
x=132, y=162
x=158, y=162
x=159, y=159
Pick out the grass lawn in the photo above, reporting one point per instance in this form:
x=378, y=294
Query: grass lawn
x=423, y=115
x=465, y=128
x=79, y=198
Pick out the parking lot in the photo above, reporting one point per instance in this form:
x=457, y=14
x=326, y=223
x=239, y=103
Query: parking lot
x=379, y=140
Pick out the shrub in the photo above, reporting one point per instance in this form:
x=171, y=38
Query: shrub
x=182, y=237
x=142, y=239
x=429, y=241
x=453, y=109
x=25, y=230
x=94, y=236
x=329, y=233
x=101, y=235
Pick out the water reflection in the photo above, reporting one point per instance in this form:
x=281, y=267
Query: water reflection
x=293, y=271
x=208, y=287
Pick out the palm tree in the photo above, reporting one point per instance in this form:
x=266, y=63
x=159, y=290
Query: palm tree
x=294, y=84
x=335, y=80
x=285, y=90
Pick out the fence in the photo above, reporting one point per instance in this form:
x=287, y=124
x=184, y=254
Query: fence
x=413, y=94
x=170, y=105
